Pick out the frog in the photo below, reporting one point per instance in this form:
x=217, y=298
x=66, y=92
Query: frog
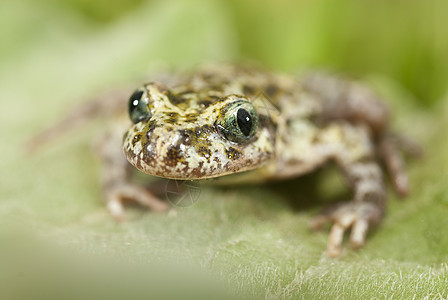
x=243, y=124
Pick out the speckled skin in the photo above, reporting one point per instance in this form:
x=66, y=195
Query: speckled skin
x=302, y=123
x=181, y=140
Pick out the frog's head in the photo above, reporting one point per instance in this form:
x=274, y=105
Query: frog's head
x=192, y=135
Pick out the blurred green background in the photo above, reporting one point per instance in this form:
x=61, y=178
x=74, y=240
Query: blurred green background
x=253, y=241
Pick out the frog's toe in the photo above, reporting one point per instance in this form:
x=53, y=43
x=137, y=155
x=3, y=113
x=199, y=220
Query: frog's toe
x=390, y=150
x=358, y=217
x=359, y=233
x=359, y=227
x=116, y=197
x=116, y=209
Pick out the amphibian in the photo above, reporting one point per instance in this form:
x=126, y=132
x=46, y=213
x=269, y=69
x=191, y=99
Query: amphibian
x=223, y=120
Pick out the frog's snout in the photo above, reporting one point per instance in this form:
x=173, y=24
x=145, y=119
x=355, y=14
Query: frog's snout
x=191, y=153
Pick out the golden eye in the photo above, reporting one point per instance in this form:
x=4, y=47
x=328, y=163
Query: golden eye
x=138, y=106
x=238, y=122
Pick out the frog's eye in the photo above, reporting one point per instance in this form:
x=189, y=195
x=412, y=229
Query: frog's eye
x=138, y=106
x=238, y=122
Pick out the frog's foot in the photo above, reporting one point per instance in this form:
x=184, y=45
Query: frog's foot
x=117, y=195
x=357, y=216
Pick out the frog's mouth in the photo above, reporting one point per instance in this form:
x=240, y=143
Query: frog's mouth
x=189, y=154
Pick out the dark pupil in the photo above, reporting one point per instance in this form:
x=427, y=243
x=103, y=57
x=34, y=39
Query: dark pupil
x=135, y=99
x=134, y=111
x=244, y=121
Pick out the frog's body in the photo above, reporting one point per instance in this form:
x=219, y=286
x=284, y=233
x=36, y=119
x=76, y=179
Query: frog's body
x=226, y=120
x=181, y=139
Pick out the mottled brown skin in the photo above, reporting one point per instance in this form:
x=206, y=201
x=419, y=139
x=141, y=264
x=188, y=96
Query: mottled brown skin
x=301, y=124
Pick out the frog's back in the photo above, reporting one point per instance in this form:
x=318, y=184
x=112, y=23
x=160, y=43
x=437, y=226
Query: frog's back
x=272, y=90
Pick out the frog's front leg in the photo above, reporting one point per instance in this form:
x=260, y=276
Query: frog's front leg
x=363, y=212
x=352, y=150
x=117, y=184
